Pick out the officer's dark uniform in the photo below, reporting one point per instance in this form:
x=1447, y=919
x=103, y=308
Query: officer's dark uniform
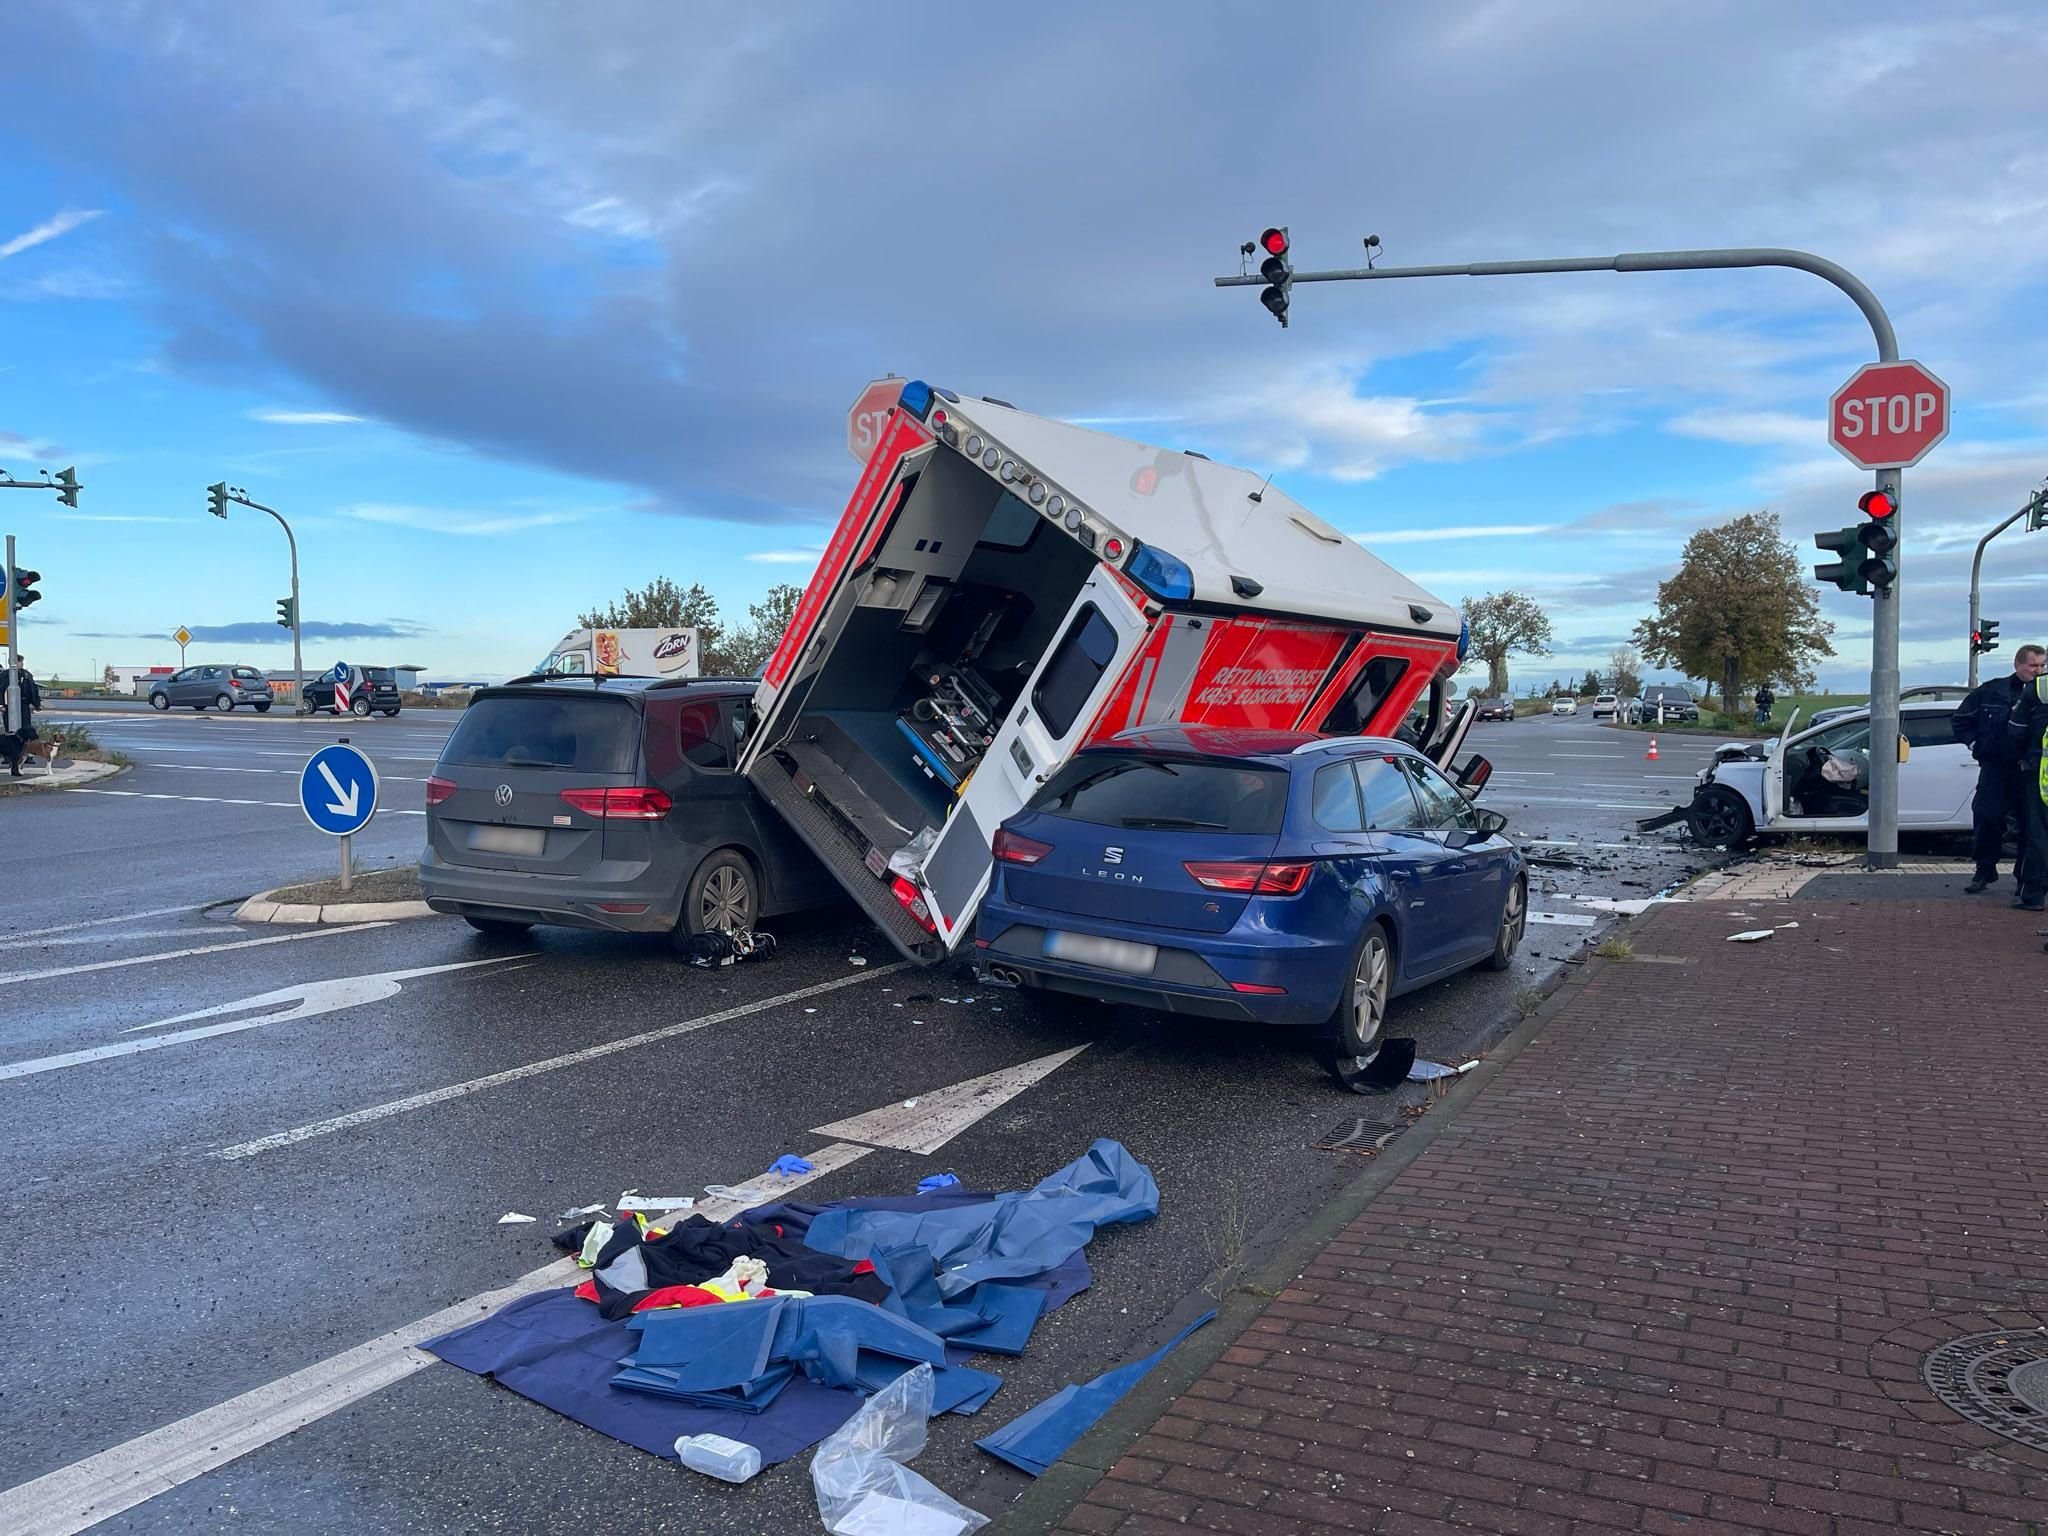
x=1980, y=723
x=2023, y=731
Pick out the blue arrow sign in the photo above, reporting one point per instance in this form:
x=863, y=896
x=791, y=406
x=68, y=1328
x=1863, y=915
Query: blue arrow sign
x=338, y=790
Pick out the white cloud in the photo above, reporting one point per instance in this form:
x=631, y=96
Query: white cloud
x=58, y=224
x=462, y=522
x=285, y=418
x=785, y=556
x=612, y=216
x=1450, y=531
x=1752, y=429
x=112, y=517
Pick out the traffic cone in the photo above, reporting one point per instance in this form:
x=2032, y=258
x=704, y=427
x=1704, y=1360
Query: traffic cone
x=1651, y=755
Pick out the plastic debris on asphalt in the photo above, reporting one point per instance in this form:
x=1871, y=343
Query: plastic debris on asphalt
x=936, y=1181
x=583, y=1210
x=633, y=1201
x=1430, y=1071
x=513, y=1218
x=1751, y=936
x=861, y=1482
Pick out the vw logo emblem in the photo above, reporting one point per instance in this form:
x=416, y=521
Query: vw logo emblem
x=504, y=794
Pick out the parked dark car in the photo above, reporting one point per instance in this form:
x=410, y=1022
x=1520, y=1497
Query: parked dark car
x=609, y=803
x=1677, y=704
x=381, y=699
x=212, y=687
x=1273, y=877
x=1496, y=709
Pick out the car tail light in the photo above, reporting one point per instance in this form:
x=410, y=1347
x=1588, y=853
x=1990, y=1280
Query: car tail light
x=1014, y=848
x=1256, y=990
x=439, y=789
x=913, y=903
x=635, y=804
x=1252, y=878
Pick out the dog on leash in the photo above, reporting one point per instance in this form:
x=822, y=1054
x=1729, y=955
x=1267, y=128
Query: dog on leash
x=14, y=751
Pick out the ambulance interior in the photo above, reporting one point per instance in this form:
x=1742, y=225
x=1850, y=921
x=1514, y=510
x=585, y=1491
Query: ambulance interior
x=927, y=650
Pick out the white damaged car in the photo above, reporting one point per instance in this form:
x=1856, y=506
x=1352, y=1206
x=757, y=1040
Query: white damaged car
x=1818, y=780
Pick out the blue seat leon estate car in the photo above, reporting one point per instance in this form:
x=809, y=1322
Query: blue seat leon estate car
x=1276, y=877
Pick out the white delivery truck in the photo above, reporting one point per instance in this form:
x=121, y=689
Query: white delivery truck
x=1004, y=589
x=623, y=653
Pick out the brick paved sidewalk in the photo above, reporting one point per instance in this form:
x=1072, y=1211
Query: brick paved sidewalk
x=1674, y=1268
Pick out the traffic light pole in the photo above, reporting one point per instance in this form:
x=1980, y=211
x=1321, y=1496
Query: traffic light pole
x=298, y=654
x=2037, y=504
x=13, y=689
x=1883, y=839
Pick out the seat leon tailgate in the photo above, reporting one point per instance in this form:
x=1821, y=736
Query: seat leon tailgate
x=529, y=772
x=1166, y=842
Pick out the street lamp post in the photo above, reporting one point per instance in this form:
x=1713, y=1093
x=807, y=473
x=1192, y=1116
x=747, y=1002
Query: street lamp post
x=1883, y=839
x=2036, y=514
x=221, y=495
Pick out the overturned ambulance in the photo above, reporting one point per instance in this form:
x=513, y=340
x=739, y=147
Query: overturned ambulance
x=1004, y=589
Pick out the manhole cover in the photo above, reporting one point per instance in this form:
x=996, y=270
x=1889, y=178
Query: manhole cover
x=1998, y=1380
x=1360, y=1135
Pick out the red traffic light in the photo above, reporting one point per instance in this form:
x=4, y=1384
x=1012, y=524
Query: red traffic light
x=1876, y=504
x=1274, y=242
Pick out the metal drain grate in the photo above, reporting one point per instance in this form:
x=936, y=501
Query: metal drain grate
x=1360, y=1135
x=1997, y=1380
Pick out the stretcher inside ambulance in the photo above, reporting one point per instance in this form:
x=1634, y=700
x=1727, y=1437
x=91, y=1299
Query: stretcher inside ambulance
x=1004, y=589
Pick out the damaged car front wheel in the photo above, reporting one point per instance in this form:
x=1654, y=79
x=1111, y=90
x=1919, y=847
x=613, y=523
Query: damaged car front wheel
x=1720, y=818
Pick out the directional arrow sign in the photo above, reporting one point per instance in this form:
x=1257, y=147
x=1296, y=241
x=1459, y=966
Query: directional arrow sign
x=338, y=790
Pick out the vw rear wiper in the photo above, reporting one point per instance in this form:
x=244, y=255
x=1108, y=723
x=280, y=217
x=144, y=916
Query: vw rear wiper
x=1179, y=823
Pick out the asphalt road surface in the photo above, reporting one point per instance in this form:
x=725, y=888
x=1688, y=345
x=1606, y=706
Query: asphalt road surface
x=237, y=1153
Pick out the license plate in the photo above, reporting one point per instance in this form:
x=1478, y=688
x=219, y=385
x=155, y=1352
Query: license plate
x=527, y=840
x=1108, y=954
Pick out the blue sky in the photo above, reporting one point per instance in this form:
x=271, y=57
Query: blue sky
x=508, y=310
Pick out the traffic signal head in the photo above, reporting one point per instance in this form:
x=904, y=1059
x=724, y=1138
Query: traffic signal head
x=1878, y=538
x=286, y=615
x=1846, y=545
x=24, y=587
x=217, y=499
x=1877, y=504
x=1986, y=636
x=67, y=478
x=1278, y=273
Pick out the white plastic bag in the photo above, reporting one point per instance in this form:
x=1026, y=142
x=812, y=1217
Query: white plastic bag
x=864, y=1489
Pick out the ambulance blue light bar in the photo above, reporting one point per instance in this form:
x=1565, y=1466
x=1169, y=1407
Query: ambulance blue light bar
x=916, y=398
x=1164, y=576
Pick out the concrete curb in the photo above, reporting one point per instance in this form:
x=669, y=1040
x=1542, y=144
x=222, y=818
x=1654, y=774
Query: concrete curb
x=1064, y=1484
x=32, y=780
x=265, y=908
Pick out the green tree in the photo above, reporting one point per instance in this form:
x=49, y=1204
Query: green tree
x=1625, y=671
x=1590, y=685
x=662, y=604
x=1739, y=609
x=767, y=621
x=1503, y=624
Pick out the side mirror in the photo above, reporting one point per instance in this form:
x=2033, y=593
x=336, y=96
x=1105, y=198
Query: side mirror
x=1473, y=776
x=1492, y=823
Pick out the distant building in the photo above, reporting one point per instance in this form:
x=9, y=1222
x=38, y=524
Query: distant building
x=132, y=680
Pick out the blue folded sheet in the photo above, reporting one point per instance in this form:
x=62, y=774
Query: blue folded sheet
x=1011, y=1236
x=1039, y=1436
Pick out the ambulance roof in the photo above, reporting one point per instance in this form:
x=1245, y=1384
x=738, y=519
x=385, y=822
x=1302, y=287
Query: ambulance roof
x=1204, y=513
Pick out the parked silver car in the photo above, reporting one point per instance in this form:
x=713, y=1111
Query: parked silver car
x=212, y=687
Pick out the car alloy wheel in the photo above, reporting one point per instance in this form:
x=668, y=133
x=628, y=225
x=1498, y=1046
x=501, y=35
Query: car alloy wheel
x=159, y=701
x=1514, y=922
x=1355, y=1053
x=224, y=703
x=725, y=901
x=360, y=708
x=1720, y=818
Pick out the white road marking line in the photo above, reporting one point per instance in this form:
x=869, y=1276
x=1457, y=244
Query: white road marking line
x=99, y=922
x=80, y=1496
x=928, y=1122
x=1601, y=805
x=534, y=1068
x=185, y=954
x=1563, y=919
x=109, y=940
x=388, y=778
x=275, y=805
x=307, y=1001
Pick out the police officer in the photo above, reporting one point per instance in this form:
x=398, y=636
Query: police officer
x=2024, y=730
x=1979, y=723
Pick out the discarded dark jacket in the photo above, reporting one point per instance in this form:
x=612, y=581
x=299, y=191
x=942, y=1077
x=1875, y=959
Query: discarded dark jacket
x=696, y=1250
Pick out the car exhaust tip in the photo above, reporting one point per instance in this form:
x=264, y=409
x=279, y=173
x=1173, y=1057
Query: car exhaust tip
x=1004, y=976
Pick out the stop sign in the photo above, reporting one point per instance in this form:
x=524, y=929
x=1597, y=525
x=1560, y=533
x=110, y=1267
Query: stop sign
x=864, y=421
x=1888, y=415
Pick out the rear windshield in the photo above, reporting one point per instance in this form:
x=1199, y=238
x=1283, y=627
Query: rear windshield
x=379, y=674
x=249, y=674
x=1114, y=790
x=579, y=735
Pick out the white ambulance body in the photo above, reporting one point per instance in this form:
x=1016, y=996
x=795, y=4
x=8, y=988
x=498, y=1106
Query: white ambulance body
x=1004, y=589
